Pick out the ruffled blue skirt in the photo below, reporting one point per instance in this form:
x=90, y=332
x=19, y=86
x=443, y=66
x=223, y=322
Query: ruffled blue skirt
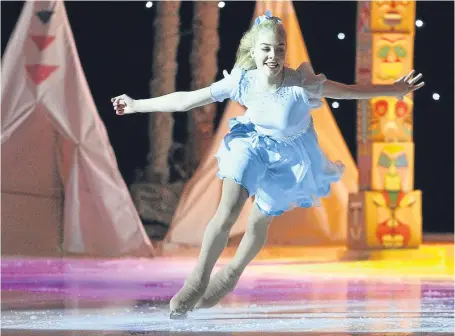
x=282, y=173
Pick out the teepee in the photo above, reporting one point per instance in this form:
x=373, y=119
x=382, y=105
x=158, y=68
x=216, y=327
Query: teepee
x=61, y=187
x=314, y=226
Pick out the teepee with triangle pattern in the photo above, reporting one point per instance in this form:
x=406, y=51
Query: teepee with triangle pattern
x=61, y=187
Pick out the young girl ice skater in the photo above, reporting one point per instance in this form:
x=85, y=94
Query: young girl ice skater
x=271, y=151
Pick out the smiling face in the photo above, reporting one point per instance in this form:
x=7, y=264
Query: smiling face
x=269, y=51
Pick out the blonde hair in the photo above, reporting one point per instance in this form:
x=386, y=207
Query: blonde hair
x=244, y=60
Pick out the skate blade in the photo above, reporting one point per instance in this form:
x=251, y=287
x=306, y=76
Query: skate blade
x=204, y=305
x=174, y=315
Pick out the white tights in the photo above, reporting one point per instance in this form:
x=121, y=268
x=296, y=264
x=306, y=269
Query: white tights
x=198, y=291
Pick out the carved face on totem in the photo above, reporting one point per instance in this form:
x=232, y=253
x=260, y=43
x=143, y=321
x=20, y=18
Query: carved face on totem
x=393, y=234
x=392, y=57
x=393, y=167
x=393, y=15
x=390, y=119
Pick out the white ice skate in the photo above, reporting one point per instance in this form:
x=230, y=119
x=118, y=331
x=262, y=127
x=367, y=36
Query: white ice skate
x=220, y=285
x=185, y=300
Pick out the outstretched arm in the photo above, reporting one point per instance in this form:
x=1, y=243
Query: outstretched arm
x=180, y=101
x=398, y=89
x=174, y=102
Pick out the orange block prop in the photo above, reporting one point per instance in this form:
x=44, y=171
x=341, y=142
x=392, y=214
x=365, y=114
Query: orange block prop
x=390, y=119
x=393, y=166
x=393, y=16
x=392, y=57
x=385, y=220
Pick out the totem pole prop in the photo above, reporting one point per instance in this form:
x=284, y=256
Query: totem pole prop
x=386, y=212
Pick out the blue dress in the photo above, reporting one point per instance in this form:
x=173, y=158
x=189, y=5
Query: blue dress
x=273, y=150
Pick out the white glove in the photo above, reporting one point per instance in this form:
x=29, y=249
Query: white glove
x=123, y=104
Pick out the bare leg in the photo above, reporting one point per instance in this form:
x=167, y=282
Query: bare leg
x=224, y=281
x=214, y=241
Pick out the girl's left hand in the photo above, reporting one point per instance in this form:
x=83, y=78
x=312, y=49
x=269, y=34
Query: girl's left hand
x=407, y=84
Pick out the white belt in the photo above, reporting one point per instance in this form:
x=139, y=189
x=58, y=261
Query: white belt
x=293, y=136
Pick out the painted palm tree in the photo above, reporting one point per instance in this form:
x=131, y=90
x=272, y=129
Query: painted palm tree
x=167, y=38
x=154, y=196
x=203, y=62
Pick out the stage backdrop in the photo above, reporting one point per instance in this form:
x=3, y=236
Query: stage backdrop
x=316, y=226
x=61, y=187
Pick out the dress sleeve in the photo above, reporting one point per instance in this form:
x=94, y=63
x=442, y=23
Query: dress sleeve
x=311, y=84
x=228, y=87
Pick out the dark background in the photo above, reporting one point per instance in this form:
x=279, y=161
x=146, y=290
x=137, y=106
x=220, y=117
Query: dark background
x=115, y=41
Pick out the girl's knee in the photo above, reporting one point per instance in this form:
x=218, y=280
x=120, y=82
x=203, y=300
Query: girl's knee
x=258, y=224
x=259, y=230
x=226, y=216
x=233, y=198
x=232, y=201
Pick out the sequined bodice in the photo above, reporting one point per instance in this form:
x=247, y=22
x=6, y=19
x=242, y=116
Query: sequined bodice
x=279, y=113
x=282, y=113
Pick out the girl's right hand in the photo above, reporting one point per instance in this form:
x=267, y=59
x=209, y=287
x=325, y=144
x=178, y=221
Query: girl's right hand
x=123, y=104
